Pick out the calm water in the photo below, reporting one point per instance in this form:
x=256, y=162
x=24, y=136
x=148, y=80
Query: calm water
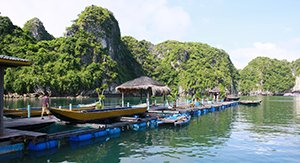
x=267, y=133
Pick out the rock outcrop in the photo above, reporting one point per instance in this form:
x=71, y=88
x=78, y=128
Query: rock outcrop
x=37, y=30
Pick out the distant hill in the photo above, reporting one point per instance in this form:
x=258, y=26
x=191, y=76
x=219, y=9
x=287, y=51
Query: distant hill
x=265, y=75
x=93, y=53
x=191, y=68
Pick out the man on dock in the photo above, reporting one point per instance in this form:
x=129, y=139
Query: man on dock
x=45, y=105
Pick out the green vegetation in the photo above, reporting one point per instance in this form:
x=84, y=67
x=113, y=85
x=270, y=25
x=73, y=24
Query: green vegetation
x=37, y=30
x=296, y=67
x=267, y=74
x=195, y=67
x=93, y=54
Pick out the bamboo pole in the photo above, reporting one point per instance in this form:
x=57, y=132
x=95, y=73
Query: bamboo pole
x=1, y=98
x=122, y=99
x=148, y=101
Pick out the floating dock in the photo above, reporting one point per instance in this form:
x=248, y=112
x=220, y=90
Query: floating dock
x=18, y=138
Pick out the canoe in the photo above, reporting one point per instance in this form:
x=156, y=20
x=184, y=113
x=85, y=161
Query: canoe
x=95, y=115
x=88, y=105
x=34, y=112
x=175, y=119
x=182, y=120
x=232, y=98
x=22, y=112
x=250, y=102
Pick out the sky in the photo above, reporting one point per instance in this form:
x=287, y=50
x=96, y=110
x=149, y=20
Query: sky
x=245, y=29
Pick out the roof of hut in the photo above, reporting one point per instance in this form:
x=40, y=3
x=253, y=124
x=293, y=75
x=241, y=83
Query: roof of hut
x=214, y=90
x=9, y=61
x=143, y=83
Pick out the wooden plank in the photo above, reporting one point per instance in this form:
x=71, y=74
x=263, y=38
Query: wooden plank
x=14, y=123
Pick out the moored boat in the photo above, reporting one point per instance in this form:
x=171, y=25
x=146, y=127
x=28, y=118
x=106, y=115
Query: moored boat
x=250, y=102
x=232, y=98
x=182, y=120
x=35, y=111
x=22, y=112
x=175, y=119
x=95, y=115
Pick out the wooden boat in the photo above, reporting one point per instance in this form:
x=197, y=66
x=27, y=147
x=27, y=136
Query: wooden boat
x=88, y=105
x=182, y=120
x=232, y=98
x=95, y=115
x=250, y=102
x=34, y=112
x=22, y=112
x=175, y=119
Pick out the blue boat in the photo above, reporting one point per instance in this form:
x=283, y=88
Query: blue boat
x=175, y=119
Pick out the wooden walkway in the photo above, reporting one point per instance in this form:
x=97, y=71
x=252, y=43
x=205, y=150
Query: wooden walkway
x=14, y=129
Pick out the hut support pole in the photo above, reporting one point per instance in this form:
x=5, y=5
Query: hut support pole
x=164, y=100
x=1, y=98
x=148, y=101
x=122, y=99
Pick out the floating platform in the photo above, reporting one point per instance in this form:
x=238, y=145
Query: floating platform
x=16, y=130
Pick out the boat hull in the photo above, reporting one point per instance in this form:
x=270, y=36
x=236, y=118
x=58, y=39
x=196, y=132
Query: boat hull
x=34, y=112
x=85, y=116
x=250, y=103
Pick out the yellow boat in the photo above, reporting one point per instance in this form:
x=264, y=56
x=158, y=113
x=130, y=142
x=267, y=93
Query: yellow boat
x=34, y=112
x=94, y=115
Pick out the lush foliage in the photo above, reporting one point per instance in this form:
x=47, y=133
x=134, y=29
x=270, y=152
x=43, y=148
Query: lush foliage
x=66, y=66
x=265, y=74
x=194, y=67
x=296, y=66
x=93, y=54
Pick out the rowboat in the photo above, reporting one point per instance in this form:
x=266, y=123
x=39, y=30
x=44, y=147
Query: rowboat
x=182, y=120
x=175, y=119
x=95, y=115
x=232, y=98
x=88, y=105
x=34, y=111
x=253, y=103
x=22, y=112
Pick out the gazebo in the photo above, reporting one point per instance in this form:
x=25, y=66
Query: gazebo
x=143, y=83
x=7, y=61
x=215, y=92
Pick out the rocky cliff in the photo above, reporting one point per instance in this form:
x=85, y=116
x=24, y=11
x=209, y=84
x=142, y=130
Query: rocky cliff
x=37, y=30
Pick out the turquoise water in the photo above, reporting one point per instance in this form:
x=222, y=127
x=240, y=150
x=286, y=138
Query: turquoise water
x=267, y=133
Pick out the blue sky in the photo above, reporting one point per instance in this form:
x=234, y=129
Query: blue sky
x=244, y=29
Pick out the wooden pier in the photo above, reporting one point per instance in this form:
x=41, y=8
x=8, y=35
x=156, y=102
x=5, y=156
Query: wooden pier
x=16, y=130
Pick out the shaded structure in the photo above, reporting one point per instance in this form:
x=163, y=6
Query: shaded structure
x=7, y=61
x=215, y=92
x=143, y=83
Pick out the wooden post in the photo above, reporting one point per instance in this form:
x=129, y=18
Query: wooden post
x=141, y=97
x=122, y=99
x=28, y=111
x=1, y=98
x=148, y=101
x=164, y=100
x=70, y=107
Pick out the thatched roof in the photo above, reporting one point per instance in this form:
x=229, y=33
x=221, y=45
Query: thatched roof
x=144, y=83
x=214, y=90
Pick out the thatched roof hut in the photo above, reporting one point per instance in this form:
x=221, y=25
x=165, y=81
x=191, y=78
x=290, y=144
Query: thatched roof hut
x=214, y=90
x=144, y=83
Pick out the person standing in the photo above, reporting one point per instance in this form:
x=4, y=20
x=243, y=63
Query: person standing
x=45, y=105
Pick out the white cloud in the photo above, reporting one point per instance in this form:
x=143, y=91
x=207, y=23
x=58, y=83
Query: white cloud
x=289, y=50
x=154, y=20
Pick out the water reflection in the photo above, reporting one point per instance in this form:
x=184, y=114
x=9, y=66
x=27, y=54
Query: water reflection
x=266, y=133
